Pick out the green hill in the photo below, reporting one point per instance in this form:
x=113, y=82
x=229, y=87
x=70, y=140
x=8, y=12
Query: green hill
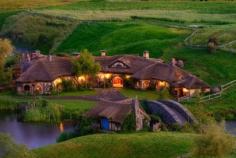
x=138, y=145
x=122, y=37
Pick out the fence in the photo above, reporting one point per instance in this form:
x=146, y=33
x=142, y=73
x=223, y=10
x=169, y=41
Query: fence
x=210, y=96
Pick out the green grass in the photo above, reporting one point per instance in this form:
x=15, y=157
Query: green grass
x=26, y=4
x=147, y=94
x=122, y=37
x=4, y=16
x=216, y=69
x=224, y=34
x=198, y=6
x=50, y=30
x=138, y=145
x=77, y=93
x=78, y=106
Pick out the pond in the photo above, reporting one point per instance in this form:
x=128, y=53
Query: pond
x=33, y=135
x=230, y=126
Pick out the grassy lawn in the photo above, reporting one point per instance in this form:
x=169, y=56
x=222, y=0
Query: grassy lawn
x=78, y=106
x=138, y=145
x=148, y=94
x=77, y=93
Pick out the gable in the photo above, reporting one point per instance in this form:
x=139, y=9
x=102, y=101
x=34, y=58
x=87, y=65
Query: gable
x=119, y=64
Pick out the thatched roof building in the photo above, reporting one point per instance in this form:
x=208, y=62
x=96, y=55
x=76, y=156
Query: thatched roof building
x=115, y=113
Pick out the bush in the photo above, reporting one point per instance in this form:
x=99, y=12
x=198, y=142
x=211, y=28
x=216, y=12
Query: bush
x=68, y=85
x=66, y=136
x=43, y=112
x=86, y=126
x=213, y=142
x=129, y=123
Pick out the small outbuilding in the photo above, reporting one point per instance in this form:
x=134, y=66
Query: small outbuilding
x=111, y=115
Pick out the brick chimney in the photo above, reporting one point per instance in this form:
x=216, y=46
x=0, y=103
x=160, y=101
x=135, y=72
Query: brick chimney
x=173, y=62
x=146, y=54
x=103, y=53
x=50, y=58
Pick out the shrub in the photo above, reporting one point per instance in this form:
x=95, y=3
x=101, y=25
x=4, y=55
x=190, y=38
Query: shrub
x=129, y=124
x=68, y=85
x=43, y=112
x=66, y=136
x=85, y=126
x=213, y=142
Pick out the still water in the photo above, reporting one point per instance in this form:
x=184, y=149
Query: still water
x=37, y=135
x=31, y=134
x=230, y=126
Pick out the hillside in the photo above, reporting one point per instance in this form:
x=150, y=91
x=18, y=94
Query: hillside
x=139, y=145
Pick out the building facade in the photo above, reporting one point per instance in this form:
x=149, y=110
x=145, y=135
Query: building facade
x=43, y=74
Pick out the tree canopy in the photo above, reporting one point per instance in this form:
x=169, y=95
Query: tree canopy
x=85, y=65
x=6, y=49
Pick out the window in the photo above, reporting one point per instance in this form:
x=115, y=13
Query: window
x=119, y=65
x=27, y=88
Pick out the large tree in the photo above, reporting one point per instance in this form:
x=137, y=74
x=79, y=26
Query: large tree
x=85, y=66
x=6, y=49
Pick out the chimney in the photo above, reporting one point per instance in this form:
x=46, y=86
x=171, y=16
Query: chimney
x=103, y=52
x=28, y=57
x=138, y=124
x=173, y=62
x=50, y=58
x=146, y=54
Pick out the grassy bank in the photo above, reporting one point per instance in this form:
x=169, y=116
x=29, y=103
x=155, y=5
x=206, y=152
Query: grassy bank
x=138, y=145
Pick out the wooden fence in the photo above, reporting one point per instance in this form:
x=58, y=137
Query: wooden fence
x=210, y=96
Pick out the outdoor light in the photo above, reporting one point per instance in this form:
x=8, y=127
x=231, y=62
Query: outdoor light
x=107, y=76
x=57, y=81
x=81, y=78
x=162, y=83
x=127, y=76
x=185, y=90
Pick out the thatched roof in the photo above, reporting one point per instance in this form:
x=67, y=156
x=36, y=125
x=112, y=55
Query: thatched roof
x=160, y=71
x=191, y=82
x=45, y=70
x=117, y=111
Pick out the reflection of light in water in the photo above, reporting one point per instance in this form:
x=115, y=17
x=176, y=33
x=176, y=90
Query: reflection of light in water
x=61, y=127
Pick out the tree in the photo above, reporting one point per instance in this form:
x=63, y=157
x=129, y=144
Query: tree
x=6, y=49
x=212, y=44
x=85, y=66
x=213, y=142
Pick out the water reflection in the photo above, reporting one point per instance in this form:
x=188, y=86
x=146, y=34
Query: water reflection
x=30, y=134
x=230, y=126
